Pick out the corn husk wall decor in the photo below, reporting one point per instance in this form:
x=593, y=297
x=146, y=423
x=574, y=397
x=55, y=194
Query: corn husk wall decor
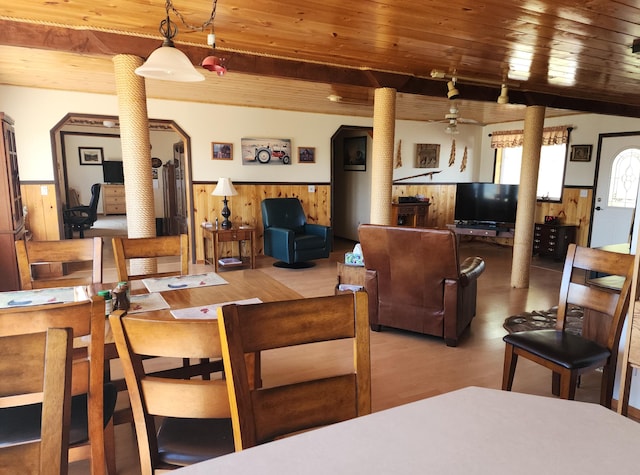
x=463, y=165
x=398, y=163
x=452, y=157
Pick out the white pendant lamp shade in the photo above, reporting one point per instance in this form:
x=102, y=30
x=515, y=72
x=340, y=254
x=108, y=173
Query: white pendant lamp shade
x=168, y=63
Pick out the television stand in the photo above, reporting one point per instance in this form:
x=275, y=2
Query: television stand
x=481, y=230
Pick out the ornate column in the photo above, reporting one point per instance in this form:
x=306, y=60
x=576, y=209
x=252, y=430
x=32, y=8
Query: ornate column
x=384, y=123
x=523, y=239
x=136, y=154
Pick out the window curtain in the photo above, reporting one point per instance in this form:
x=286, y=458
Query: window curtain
x=514, y=138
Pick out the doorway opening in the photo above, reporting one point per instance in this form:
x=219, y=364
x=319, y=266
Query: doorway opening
x=74, y=134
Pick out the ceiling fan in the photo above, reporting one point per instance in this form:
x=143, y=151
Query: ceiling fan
x=452, y=119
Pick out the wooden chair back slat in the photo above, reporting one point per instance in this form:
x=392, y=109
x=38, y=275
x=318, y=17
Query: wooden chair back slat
x=125, y=249
x=86, y=321
x=610, y=304
x=32, y=255
x=262, y=414
x=36, y=368
x=156, y=393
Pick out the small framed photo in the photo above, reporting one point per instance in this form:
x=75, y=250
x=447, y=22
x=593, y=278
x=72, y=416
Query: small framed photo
x=306, y=154
x=581, y=153
x=427, y=155
x=355, y=154
x=221, y=151
x=91, y=155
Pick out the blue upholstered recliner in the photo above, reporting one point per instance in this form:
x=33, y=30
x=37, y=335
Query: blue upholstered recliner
x=289, y=238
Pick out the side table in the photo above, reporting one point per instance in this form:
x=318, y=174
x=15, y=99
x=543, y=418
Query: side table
x=352, y=275
x=213, y=237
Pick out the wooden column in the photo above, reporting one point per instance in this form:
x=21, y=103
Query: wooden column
x=384, y=123
x=136, y=154
x=523, y=238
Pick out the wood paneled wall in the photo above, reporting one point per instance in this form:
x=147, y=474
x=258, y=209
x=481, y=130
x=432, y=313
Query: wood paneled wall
x=574, y=208
x=42, y=208
x=42, y=219
x=245, y=206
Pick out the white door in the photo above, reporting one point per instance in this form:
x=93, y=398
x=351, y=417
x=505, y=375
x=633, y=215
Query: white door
x=612, y=224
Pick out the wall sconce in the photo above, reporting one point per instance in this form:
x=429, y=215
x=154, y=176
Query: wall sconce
x=168, y=63
x=503, y=98
x=225, y=188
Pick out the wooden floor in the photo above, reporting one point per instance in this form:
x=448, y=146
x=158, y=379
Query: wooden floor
x=407, y=366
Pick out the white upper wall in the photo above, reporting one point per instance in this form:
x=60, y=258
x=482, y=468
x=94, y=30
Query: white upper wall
x=37, y=111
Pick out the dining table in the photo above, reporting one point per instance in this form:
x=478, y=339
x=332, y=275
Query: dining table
x=468, y=431
x=233, y=287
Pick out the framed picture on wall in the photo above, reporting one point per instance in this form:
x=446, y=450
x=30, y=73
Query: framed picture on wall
x=581, y=153
x=427, y=155
x=355, y=154
x=221, y=151
x=91, y=155
x=266, y=151
x=306, y=154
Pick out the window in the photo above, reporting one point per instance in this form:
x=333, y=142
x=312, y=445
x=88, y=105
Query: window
x=623, y=188
x=553, y=157
x=550, y=173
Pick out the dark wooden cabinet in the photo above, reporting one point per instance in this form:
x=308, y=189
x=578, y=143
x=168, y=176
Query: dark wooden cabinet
x=175, y=193
x=552, y=240
x=11, y=212
x=415, y=215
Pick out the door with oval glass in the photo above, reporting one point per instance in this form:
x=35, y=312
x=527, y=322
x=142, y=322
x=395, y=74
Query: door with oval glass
x=616, y=189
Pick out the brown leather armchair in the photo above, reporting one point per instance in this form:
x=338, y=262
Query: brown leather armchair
x=415, y=281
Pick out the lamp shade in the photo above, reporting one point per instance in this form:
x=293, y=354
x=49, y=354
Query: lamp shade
x=168, y=63
x=224, y=188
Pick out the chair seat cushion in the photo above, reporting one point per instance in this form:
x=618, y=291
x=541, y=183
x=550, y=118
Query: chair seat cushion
x=19, y=425
x=184, y=442
x=562, y=348
x=304, y=242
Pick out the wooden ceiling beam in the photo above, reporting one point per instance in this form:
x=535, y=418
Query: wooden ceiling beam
x=101, y=43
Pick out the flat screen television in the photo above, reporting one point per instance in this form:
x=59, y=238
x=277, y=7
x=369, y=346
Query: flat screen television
x=112, y=172
x=486, y=204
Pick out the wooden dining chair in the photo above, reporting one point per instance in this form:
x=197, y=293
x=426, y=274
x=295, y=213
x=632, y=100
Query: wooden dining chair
x=196, y=419
x=42, y=264
x=36, y=368
x=262, y=414
x=91, y=431
x=599, y=282
x=126, y=249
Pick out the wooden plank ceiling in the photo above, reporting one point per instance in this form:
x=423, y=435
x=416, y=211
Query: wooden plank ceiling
x=569, y=55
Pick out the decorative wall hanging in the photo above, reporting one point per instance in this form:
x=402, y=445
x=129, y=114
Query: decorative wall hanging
x=355, y=154
x=221, y=151
x=427, y=155
x=463, y=165
x=452, y=156
x=262, y=151
x=306, y=154
x=398, y=163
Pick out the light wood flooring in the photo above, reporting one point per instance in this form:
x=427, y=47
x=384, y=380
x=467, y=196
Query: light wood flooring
x=406, y=366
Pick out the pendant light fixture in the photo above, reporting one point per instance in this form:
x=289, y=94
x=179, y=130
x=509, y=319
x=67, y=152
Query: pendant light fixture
x=169, y=63
x=503, y=98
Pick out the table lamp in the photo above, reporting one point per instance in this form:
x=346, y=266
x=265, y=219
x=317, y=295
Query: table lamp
x=225, y=188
